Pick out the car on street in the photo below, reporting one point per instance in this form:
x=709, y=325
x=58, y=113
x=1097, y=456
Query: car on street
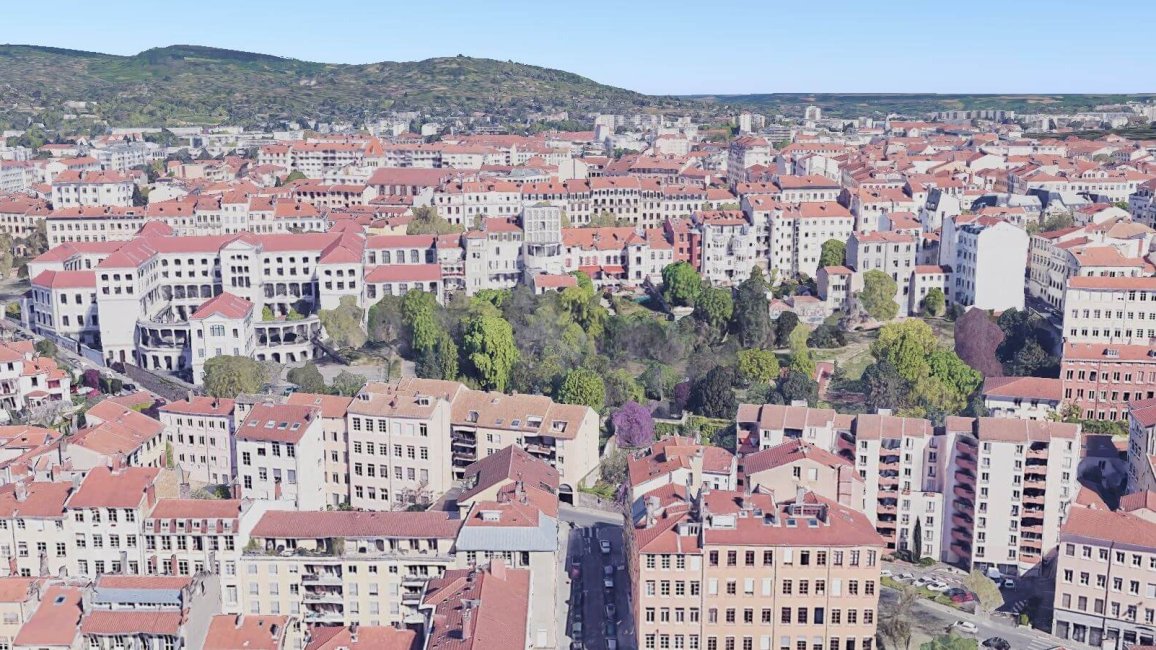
x=605, y=545
x=921, y=582
x=1009, y=584
x=608, y=582
x=905, y=577
x=612, y=630
x=939, y=586
x=965, y=627
x=576, y=630
x=885, y=573
x=611, y=644
x=997, y=643
x=611, y=610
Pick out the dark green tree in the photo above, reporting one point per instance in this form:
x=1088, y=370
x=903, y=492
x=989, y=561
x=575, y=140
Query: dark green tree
x=751, y=321
x=713, y=395
x=681, y=284
x=308, y=378
x=834, y=253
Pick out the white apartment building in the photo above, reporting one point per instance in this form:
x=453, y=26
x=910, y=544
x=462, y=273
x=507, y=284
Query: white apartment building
x=200, y=431
x=990, y=266
x=280, y=455
x=72, y=189
x=106, y=515
x=1119, y=310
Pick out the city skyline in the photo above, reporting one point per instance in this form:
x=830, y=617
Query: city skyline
x=834, y=48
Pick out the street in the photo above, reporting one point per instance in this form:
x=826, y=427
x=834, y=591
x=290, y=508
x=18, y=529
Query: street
x=586, y=618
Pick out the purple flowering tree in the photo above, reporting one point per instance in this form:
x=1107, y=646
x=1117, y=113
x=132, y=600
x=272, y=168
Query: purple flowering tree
x=633, y=425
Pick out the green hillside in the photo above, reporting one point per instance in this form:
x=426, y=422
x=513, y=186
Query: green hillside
x=196, y=85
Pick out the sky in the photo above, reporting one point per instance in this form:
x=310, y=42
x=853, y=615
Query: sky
x=669, y=47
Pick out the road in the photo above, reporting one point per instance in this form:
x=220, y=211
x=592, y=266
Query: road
x=933, y=619
x=581, y=590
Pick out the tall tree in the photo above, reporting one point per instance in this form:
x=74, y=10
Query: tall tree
x=228, y=376
x=934, y=303
x=681, y=284
x=347, y=383
x=757, y=365
x=977, y=337
x=714, y=306
x=714, y=395
x=883, y=387
x=784, y=325
x=427, y=221
x=489, y=348
x=582, y=386
x=834, y=253
x=878, y=295
x=751, y=321
x=343, y=324
x=917, y=540
x=308, y=378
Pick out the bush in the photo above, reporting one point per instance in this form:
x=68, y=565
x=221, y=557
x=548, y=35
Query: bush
x=926, y=561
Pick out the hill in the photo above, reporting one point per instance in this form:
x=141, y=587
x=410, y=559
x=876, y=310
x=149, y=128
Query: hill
x=186, y=84
x=850, y=105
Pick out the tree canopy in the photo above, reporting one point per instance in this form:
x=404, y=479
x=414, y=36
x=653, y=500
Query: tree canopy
x=834, y=253
x=343, y=324
x=714, y=307
x=308, y=378
x=427, y=221
x=937, y=379
x=878, y=295
x=758, y=365
x=228, y=376
x=934, y=303
x=489, y=348
x=633, y=425
x=751, y=321
x=713, y=395
x=681, y=284
x=582, y=386
x=977, y=338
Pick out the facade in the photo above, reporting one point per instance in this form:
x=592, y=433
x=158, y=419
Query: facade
x=280, y=455
x=1100, y=380
x=200, y=430
x=990, y=266
x=1024, y=398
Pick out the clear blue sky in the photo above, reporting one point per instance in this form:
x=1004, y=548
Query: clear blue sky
x=716, y=46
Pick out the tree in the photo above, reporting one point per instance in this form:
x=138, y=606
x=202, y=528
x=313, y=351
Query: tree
x=986, y=591
x=347, y=383
x=621, y=388
x=489, y=348
x=895, y=622
x=228, y=376
x=658, y=381
x=613, y=468
x=7, y=259
x=585, y=306
x=751, y=321
x=878, y=295
x=785, y=325
x=713, y=395
x=308, y=378
x=427, y=221
x=801, y=358
x=633, y=425
x=295, y=175
x=385, y=321
x=439, y=360
x=714, y=306
x=45, y=348
x=907, y=346
x=934, y=303
x=977, y=338
x=139, y=199
x=834, y=253
x=917, y=540
x=582, y=386
x=681, y=284
x=419, y=315
x=343, y=324
x=758, y=365
x=798, y=386
x=1027, y=336
x=826, y=336
x=1032, y=361
x=883, y=387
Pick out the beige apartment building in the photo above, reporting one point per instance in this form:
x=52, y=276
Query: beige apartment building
x=279, y=451
x=1010, y=486
x=335, y=441
x=1119, y=310
x=200, y=431
x=341, y=568
x=739, y=571
x=793, y=464
x=1106, y=575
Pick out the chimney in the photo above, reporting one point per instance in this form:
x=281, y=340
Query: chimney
x=652, y=505
x=467, y=618
x=353, y=633
x=151, y=495
x=239, y=621
x=190, y=396
x=22, y=494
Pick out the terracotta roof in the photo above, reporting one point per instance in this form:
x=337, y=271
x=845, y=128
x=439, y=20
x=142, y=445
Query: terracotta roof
x=65, y=280
x=332, y=406
x=196, y=509
x=106, y=622
x=510, y=464
x=277, y=422
x=369, y=637
x=1138, y=501
x=246, y=632
x=103, y=488
x=1015, y=430
x=500, y=601
x=789, y=452
x=1144, y=412
x=15, y=589
x=1120, y=283
x=201, y=405
x=1024, y=387
x=776, y=417
x=224, y=304
x=322, y=524
x=1107, y=526
x=56, y=621
x=42, y=499
x=404, y=273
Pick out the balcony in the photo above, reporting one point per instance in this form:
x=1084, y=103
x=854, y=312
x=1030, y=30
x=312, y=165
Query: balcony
x=1034, y=499
x=322, y=578
x=964, y=491
x=886, y=509
x=961, y=547
x=1035, y=484
x=324, y=617
x=333, y=597
x=966, y=462
x=1034, y=453
x=961, y=535
x=965, y=477
x=961, y=520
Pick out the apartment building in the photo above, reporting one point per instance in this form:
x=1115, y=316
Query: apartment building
x=200, y=431
x=281, y=455
x=335, y=444
x=1024, y=398
x=1101, y=379
x=989, y=265
x=898, y=460
x=188, y=537
x=761, y=426
x=798, y=232
x=1106, y=575
x=19, y=598
x=77, y=188
x=783, y=468
x=1117, y=310
x=889, y=252
x=345, y=568
x=178, y=611
x=1010, y=484
x=475, y=608
x=1142, y=445
x=732, y=570
x=682, y=462
x=400, y=443
x=33, y=529
x=28, y=379
x=106, y=515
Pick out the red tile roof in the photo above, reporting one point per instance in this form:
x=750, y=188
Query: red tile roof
x=277, y=422
x=103, y=488
x=322, y=524
x=65, y=280
x=369, y=637
x=246, y=632
x=224, y=304
x=56, y=621
x=1024, y=387
x=500, y=600
x=332, y=406
x=201, y=405
x=104, y=622
x=789, y=452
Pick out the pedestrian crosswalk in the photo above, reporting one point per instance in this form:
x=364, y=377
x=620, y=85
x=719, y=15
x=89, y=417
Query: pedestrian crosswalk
x=1039, y=644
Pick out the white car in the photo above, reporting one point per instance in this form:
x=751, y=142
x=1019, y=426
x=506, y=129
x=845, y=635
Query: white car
x=905, y=577
x=921, y=582
x=1009, y=584
x=967, y=627
x=885, y=573
x=605, y=545
x=939, y=586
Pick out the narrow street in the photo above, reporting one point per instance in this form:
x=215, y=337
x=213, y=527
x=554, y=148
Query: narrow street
x=584, y=617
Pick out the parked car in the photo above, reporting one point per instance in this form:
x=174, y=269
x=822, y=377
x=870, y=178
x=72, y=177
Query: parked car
x=921, y=582
x=905, y=577
x=611, y=644
x=962, y=597
x=1009, y=584
x=939, y=586
x=965, y=627
x=997, y=643
x=605, y=545
x=608, y=582
x=885, y=573
x=576, y=630
x=611, y=610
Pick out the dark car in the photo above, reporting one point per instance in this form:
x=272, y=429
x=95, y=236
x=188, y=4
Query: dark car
x=997, y=643
x=965, y=597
